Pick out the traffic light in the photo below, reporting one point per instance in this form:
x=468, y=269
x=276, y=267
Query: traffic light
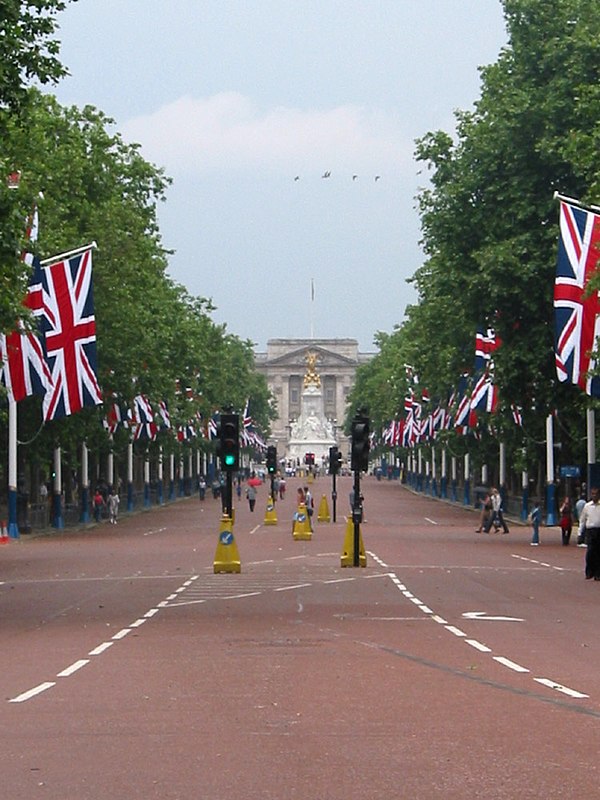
x=230, y=441
x=271, y=459
x=360, y=443
x=335, y=461
x=309, y=459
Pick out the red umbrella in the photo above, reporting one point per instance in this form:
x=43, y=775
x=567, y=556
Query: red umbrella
x=254, y=482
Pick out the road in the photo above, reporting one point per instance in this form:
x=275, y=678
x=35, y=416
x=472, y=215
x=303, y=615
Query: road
x=455, y=665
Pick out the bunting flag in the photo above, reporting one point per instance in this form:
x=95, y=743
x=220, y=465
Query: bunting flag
x=485, y=394
x=213, y=425
x=115, y=416
x=69, y=328
x=142, y=412
x=577, y=311
x=165, y=417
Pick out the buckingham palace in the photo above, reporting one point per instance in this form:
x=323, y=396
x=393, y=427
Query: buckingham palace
x=310, y=380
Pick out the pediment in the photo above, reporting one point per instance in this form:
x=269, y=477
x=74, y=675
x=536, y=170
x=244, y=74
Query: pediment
x=296, y=359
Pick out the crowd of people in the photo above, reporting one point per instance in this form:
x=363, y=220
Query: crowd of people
x=584, y=515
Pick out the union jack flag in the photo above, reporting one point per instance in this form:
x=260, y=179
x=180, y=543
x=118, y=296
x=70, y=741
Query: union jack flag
x=576, y=311
x=23, y=363
x=70, y=333
x=485, y=394
x=486, y=342
x=24, y=368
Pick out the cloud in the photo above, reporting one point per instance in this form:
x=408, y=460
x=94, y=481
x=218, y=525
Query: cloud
x=227, y=130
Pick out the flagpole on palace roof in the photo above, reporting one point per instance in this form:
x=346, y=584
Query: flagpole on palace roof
x=573, y=202
x=69, y=254
x=312, y=303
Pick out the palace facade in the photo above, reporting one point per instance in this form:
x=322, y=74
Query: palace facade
x=285, y=367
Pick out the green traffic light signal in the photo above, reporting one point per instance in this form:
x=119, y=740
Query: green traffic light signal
x=271, y=460
x=230, y=441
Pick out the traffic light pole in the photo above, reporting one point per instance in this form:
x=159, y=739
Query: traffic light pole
x=229, y=493
x=356, y=517
x=333, y=496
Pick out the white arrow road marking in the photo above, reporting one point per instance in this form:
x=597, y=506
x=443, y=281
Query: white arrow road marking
x=483, y=615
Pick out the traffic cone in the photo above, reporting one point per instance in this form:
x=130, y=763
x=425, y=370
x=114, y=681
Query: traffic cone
x=270, y=513
x=348, y=551
x=227, y=557
x=323, y=515
x=4, y=533
x=301, y=524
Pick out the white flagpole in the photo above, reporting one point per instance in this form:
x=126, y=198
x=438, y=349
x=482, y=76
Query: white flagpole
x=312, y=302
x=573, y=202
x=13, y=526
x=62, y=256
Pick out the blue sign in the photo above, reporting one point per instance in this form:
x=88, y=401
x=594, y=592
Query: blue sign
x=569, y=472
x=226, y=537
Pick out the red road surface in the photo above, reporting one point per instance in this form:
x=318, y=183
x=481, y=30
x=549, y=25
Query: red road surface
x=454, y=665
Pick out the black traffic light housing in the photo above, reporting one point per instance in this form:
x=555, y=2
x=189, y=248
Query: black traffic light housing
x=230, y=441
x=335, y=461
x=360, y=443
x=271, y=459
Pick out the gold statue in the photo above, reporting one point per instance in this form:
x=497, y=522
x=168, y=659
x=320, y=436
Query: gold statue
x=311, y=378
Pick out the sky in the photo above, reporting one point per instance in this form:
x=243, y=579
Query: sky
x=247, y=104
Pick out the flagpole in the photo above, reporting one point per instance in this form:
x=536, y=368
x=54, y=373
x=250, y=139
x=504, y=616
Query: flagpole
x=68, y=254
x=13, y=527
x=571, y=201
x=312, y=302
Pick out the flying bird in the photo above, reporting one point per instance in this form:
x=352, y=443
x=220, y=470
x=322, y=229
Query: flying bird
x=326, y=174
x=377, y=177
x=354, y=177
x=297, y=178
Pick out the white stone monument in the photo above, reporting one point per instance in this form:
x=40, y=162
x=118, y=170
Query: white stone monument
x=311, y=432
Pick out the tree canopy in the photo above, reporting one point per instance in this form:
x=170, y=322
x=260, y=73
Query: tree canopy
x=153, y=338
x=490, y=221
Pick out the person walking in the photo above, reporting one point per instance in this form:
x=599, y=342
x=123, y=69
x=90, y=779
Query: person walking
x=486, y=510
x=99, y=504
x=113, y=507
x=535, y=517
x=566, y=521
x=310, y=506
x=578, y=509
x=251, y=496
x=590, y=524
x=496, y=512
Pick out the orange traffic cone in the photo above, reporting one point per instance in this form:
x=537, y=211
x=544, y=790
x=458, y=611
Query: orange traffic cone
x=4, y=533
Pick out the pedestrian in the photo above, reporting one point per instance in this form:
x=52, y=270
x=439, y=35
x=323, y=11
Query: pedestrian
x=281, y=487
x=201, y=487
x=300, y=497
x=310, y=506
x=566, y=521
x=98, y=504
x=535, y=517
x=486, y=510
x=113, y=507
x=251, y=496
x=496, y=515
x=590, y=524
x=578, y=509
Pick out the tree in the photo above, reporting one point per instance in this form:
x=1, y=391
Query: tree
x=151, y=334
x=28, y=52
